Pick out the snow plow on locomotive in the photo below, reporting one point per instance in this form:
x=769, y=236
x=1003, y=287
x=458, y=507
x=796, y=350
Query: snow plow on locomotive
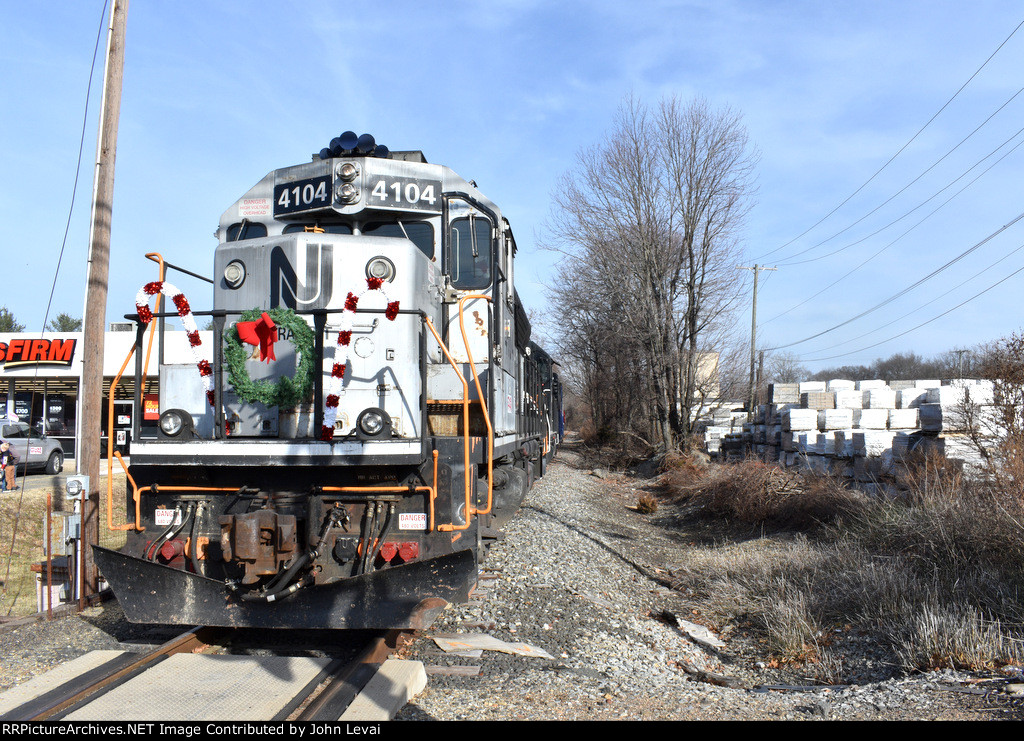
x=367, y=409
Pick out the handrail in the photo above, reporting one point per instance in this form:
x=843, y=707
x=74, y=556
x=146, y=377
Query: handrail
x=483, y=404
x=110, y=457
x=465, y=427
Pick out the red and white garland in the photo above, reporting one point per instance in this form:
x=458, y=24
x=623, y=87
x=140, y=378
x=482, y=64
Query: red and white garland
x=187, y=320
x=331, y=399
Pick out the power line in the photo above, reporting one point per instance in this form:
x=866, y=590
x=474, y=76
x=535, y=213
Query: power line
x=905, y=233
x=922, y=324
x=905, y=187
x=901, y=149
x=909, y=288
x=922, y=306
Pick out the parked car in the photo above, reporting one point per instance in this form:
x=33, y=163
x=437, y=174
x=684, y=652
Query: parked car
x=35, y=451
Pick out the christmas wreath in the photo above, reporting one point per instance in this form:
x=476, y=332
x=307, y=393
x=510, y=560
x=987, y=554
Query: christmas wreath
x=259, y=327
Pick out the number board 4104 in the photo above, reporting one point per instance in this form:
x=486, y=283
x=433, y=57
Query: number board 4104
x=302, y=195
x=400, y=192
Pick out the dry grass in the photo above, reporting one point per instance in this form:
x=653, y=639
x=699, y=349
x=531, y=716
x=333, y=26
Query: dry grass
x=937, y=575
x=22, y=542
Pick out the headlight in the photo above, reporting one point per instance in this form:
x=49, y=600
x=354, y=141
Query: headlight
x=373, y=422
x=234, y=273
x=172, y=422
x=346, y=193
x=381, y=267
x=347, y=171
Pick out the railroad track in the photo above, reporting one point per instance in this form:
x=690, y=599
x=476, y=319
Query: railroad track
x=124, y=685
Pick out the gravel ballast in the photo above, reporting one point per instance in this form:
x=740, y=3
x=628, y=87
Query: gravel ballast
x=580, y=578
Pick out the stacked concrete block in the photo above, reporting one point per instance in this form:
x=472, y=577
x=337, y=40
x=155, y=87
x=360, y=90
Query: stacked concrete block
x=863, y=429
x=879, y=398
x=903, y=419
x=849, y=399
x=866, y=428
x=799, y=419
x=835, y=419
x=911, y=398
x=783, y=393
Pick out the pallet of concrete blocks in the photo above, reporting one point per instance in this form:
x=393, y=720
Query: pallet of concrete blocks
x=871, y=443
x=799, y=419
x=903, y=419
x=879, y=398
x=835, y=419
x=840, y=384
x=871, y=419
x=818, y=400
x=874, y=383
x=849, y=399
x=963, y=405
x=784, y=393
x=911, y=398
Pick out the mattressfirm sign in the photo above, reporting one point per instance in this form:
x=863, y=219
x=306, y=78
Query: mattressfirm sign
x=37, y=352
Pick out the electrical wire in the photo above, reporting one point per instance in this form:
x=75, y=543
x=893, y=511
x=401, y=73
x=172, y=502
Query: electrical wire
x=898, y=153
x=922, y=306
x=912, y=286
x=904, y=188
x=905, y=233
x=922, y=324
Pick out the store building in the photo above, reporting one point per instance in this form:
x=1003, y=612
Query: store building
x=41, y=381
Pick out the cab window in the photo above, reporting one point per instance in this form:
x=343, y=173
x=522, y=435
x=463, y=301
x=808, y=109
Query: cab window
x=420, y=233
x=323, y=228
x=246, y=230
x=470, y=252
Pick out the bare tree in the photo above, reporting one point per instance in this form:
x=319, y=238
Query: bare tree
x=648, y=224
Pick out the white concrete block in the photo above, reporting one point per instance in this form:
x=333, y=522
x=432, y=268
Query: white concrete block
x=871, y=384
x=911, y=398
x=849, y=399
x=903, y=419
x=880, y=398
x=871, y=419
x=800, y=419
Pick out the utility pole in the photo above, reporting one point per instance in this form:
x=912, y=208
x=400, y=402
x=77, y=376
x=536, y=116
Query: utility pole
x=753, y=341
x=93, y=323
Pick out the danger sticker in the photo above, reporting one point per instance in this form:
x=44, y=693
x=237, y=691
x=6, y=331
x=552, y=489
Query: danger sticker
x=412, y=521
x=166, y=517
x=250, y=207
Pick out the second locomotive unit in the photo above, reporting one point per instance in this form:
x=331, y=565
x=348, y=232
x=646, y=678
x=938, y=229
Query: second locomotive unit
x=368, y=409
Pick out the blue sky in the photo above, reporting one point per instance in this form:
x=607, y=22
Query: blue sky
x=217, y=94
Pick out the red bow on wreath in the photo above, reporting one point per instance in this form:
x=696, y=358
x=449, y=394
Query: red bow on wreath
x=261, y=333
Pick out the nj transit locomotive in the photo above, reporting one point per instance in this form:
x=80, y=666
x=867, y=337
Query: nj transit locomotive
x=370, y=410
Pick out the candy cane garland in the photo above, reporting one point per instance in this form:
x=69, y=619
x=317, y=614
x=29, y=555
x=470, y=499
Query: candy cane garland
x=331, y=398
x=187, y=320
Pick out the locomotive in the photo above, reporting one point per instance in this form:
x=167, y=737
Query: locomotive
x=369, y=413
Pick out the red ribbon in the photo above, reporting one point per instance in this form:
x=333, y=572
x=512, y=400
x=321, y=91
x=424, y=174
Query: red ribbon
x=262, y=333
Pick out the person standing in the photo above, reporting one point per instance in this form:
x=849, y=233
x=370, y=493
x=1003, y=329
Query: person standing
x=8, y=461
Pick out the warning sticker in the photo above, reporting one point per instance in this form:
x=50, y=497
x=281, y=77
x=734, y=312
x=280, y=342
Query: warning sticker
x=166, y=516
x=412, y=521
x=249, y=208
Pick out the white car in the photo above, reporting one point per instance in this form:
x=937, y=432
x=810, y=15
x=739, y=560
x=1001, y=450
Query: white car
x=35, y=451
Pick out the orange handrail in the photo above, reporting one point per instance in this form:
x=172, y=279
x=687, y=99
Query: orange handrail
x=110, y=458
x=465, y=428
x=483, y=404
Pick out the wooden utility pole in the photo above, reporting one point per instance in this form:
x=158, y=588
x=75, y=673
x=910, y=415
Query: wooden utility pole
x=753, y=341
x=88, y=453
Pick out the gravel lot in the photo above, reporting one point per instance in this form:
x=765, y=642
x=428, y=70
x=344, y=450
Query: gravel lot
x=580, y=577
